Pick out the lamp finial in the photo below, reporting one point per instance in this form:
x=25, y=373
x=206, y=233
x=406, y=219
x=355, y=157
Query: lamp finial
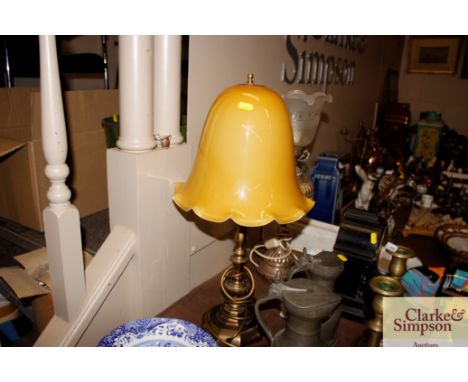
x=250, y=79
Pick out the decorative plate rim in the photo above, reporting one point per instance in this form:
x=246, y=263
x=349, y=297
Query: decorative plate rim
x=133, y=333
x=448, y=231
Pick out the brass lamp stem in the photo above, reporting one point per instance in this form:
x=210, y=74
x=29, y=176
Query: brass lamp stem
x=233, y=323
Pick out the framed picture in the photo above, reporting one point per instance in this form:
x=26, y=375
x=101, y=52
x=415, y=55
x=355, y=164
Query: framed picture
x=433, y=54
x=464, y=69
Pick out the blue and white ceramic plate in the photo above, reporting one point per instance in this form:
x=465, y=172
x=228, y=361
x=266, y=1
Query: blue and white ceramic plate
x=157, y=331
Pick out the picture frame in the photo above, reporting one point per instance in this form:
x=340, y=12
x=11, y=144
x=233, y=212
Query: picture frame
x=437, y=55
x=464, y=68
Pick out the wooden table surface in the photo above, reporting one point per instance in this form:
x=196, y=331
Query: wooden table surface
x=202, y=298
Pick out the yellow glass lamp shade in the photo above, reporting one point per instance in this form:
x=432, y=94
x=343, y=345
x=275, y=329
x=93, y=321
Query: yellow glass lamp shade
x=245, y=167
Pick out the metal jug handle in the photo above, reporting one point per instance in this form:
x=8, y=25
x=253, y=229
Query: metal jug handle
x=273, y=293
x=302, y=264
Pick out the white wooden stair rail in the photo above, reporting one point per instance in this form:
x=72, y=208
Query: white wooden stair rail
x=102, y=275
x=61, y=218
x=154, y=254
x=113, y=282
x=76, y=302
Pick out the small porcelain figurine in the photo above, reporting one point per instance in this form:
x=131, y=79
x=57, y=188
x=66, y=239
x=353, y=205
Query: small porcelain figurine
x=365, y=193
x=163, y=141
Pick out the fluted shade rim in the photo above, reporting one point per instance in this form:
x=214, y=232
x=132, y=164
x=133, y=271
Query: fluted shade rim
x=296, y=214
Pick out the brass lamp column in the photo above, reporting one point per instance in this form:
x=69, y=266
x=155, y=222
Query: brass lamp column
x=233, y=323
x=244, y=171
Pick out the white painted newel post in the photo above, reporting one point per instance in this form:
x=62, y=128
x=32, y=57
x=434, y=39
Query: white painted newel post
x=136, y=95
x=61, y=218
x=167, y=66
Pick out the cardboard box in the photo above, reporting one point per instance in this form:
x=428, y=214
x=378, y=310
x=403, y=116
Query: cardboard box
x=23, y=184
x=31, y=282
x=32, y=278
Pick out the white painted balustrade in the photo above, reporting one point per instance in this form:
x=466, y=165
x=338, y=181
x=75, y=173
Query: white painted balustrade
x=61, y=218
x=87, y=303
x=136, y=97
x=154, y=254
x=167, y=80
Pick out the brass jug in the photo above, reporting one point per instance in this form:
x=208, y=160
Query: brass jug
x=307, y=306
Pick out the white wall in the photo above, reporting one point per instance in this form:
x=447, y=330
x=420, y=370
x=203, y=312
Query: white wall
x=216, y=62
x=445, y=93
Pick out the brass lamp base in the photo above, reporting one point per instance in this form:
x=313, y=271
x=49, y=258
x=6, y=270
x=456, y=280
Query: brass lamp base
x=232, y=325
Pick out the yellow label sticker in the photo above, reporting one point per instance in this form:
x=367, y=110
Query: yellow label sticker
x=373, y=238
x=342, y=257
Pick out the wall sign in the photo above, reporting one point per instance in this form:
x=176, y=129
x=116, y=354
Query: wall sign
x=354, y=43
x=312, y=67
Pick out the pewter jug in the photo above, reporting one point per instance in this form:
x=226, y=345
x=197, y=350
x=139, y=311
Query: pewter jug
x=323, y=269
x=307, y=306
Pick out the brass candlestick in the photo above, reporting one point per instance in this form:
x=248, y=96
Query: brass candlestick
x=382, y=286
x=397, y=265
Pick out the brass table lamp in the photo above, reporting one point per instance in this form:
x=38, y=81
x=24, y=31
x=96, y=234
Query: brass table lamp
x=244, y=171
